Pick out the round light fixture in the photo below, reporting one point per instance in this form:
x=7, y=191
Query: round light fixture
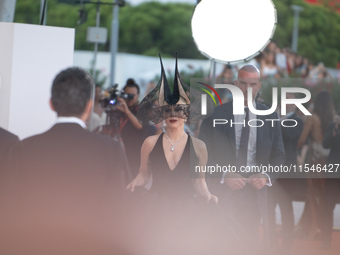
x=233, y=30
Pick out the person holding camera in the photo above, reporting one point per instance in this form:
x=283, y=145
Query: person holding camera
x=132, y=132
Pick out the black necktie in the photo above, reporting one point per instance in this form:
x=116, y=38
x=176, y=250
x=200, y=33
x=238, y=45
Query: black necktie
x=243, y=148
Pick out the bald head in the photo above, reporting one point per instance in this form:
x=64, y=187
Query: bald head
x=249, y=69
x=248, y=77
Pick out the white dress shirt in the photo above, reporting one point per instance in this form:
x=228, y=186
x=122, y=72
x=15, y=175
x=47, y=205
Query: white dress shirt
x=239, y=122
x=71, y=120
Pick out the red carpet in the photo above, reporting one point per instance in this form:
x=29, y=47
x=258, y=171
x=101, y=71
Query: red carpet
x=309, y=247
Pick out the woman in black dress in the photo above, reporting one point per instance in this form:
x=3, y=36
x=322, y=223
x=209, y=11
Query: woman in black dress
x=175, y=219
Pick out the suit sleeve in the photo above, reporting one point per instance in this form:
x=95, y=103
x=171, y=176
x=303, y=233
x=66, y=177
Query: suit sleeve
x=204, y=132
x=277, y=154
x=293, y=133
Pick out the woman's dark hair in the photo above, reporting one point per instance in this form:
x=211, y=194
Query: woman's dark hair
x=130, y=83
x=323, y=107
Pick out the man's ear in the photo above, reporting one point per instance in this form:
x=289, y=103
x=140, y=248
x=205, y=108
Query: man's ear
x=89, y=106
x=51, y=105
x=88, y=110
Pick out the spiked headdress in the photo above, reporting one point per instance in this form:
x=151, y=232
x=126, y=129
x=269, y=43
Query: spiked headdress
x=161, y=104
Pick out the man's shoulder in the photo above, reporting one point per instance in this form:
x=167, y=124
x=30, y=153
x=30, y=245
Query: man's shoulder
x=297, y=118
x=6, y=135
x=263, y=107
x=67, y=134
x=220, y=111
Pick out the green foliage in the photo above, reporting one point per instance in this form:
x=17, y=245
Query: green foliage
x=99, y=77
x=154, y=27
x=319, y=30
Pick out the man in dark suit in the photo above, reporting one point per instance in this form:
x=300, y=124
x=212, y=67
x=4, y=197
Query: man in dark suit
x=65, y=188
x=238, y=144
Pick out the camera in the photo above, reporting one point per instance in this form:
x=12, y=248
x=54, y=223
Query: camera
x=113, y=115
x=114, y=93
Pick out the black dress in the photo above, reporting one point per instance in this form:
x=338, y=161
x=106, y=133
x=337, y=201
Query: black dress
x=173, y=184
x=176, y=220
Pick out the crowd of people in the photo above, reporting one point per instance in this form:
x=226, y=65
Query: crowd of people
x=276, y=62
x=128, y=183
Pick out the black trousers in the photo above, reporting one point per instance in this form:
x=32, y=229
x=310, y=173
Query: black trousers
x=281, y=194
x=331, y=197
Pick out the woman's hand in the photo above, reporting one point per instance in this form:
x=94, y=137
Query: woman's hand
x=140, y=181
x=131, y=186
x=212, y=198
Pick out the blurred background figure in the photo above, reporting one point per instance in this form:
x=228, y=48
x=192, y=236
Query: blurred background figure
x=132, y=132
x=332, y=182
x=98, y=116
x=315, y=127
x=282, y=192
x=281, y=61
x=227, y=75
x=151, y=86
x=268, y=66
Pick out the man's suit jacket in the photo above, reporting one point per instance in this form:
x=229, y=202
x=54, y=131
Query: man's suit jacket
x=221, y=145
x=65, y=192
x=7, y=140
x=290, y=137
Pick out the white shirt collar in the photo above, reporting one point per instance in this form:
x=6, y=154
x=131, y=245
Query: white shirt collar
x=71, y=120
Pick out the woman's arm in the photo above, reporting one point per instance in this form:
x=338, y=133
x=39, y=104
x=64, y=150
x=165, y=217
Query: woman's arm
x=305, y=132
x=144, y=173
x=199, y=182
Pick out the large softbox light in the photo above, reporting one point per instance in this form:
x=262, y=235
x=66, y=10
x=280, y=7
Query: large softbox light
x=233, y=30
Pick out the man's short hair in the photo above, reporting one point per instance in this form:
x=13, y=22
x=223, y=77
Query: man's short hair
x=71, y=91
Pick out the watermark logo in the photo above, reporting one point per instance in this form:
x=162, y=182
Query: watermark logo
x=238, y=99
x=204, y=97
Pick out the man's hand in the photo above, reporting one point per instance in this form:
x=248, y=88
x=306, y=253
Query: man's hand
x=122, y=106
x=235, y=181
x=258, y=181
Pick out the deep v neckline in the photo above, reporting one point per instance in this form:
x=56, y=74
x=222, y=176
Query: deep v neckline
x=167, y=163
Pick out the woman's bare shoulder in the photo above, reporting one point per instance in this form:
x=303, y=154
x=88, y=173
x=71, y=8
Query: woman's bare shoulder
x=198, y=144
x=150, y=141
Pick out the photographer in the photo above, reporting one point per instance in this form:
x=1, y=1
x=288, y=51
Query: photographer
x=132, y=132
